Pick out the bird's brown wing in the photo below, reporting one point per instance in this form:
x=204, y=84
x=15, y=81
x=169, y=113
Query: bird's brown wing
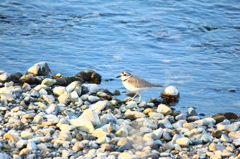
x=139, y=82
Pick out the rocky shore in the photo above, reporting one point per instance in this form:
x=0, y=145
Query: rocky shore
x=55, y=117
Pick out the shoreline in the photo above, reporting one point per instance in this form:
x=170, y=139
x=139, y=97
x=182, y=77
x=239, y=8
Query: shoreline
x=47, y=118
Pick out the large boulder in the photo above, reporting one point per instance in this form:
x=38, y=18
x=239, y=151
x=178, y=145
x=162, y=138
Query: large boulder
x=39, y=69
x=90, y=76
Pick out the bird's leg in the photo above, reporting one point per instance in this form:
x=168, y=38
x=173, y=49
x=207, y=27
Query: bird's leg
x=139, y=99
x=133, y=96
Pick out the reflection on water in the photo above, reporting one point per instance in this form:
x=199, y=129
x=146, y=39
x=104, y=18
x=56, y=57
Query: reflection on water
x=193, y=45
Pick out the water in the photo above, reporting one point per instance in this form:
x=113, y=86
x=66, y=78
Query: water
x=193, y=45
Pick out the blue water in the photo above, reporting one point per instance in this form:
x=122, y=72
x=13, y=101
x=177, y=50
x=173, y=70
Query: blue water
x=191, y=44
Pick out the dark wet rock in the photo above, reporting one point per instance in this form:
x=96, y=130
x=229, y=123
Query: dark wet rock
x=222, y=116
x=167, y=136
x=207, y=28
x=116, y=92
x=219, y=118
x=30, y=79
x=106, y=91
x=126, y=146
x=104, y=95
x=230, y=115
x=39, y=79
x=130, y=117
x=202, y=114
x=232, y=90
x=110, y=79
x=131, y=94
x=64, y=80
x=217, y=133
x=61, y=81
x=15, y=76
x=175, y=113
x=39, y=69
x=90, y=76
x=89, y=137
x=72, y=79
x=156, y=144
x=154, y=100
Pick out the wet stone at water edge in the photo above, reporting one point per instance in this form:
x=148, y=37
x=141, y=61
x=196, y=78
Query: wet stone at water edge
x=81, y=120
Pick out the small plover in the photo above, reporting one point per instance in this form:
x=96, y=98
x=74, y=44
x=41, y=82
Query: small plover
x=135, y=84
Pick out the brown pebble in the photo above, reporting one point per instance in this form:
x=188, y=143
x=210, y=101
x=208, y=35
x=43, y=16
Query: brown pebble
x=147, y=111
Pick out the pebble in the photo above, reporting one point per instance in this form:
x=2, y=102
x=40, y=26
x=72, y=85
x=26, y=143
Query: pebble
x=26, y=87
x=184, y=142
x=151, y=123
x=7, y=97
x=5, y=90
x=189, y=126
x=59, y=90
x=92, y=88
x=91, y=115
x=75, y=86
x=21, y=143
x=49, y=82
x=229, y=127
x=83, y=124
x=41, y=86
x=52, y=109
x=170, y=91
x=180, y=116
x=166, y=123
x=12, y=137
x=27, y=134
x=43, y=92
x=78, y=146
x=156, y=116
x=165, y=110
x=93, y=99
x=48, y=98
x=225, y=138
x=99, y=106
x=4, y=77
x=131, y=105
x=64, y=98
x=108, y=118
x=31, y=145
x=122, y=132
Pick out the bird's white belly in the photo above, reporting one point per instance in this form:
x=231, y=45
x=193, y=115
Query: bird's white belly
x=134, y=89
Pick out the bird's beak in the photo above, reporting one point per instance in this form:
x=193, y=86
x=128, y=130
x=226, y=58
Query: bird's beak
x=119, y=76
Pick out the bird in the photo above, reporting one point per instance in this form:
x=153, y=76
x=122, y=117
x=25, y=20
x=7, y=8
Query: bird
x=135, y=84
